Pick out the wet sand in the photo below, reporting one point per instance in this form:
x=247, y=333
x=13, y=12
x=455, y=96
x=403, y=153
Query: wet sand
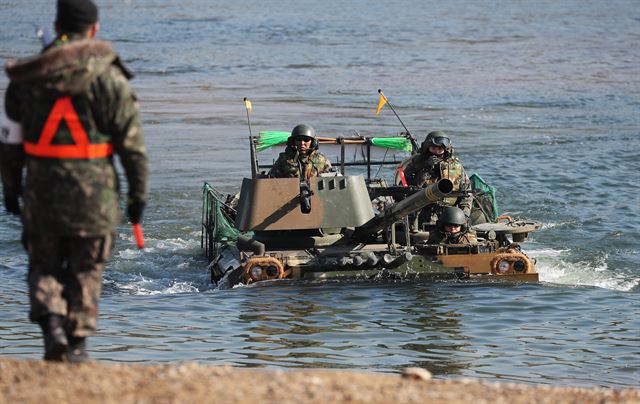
x=41, y=382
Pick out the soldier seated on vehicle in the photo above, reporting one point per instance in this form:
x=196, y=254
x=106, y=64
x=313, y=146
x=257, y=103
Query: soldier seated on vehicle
x=436, y=160
x=452, y=228
x=301, y=158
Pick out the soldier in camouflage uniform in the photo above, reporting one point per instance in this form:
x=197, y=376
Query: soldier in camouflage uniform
x=434, y=161
x=452, y=228
x=301, y=158
x=68, y=110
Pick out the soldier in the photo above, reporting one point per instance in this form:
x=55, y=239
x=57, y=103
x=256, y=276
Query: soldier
x=68, y=110
x=434, y=161
x=452, y=228
x=301, y=158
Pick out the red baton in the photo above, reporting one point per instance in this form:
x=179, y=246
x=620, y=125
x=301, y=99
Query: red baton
x=137, y=233
x=402, y=178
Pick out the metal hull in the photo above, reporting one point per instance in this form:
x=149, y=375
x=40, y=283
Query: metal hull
x=232, y=268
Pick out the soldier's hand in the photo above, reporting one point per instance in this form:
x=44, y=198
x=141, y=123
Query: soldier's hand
x=433, y=162
x=134, y=211
x=12, y=205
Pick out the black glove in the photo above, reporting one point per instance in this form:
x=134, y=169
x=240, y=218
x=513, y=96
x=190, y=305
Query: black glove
x=134, y=210
x=12, y=205
x=433, y=162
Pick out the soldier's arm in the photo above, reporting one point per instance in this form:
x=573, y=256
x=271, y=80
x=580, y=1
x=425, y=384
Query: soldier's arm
x=275, y=171
x=281, y=168
x=471, y=237
x=435, y=237
x=121, y=119
x=11, y=151
x=410, y=173
x=327, y=165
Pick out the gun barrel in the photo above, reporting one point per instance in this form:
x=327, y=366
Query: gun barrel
x=410, y=204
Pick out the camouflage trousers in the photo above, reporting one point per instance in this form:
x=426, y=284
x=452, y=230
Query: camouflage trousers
x=65, y=278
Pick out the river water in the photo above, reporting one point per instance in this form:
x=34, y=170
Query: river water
x=542, y=99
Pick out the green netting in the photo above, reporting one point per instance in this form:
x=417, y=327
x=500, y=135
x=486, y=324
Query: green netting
x=223, y=230
x=396, y=143
x=271, y=138
x=486, y=197
x=217, y=221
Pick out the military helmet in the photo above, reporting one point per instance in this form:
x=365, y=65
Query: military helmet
x=453, y=215
x=305, y=131
x=437, y=138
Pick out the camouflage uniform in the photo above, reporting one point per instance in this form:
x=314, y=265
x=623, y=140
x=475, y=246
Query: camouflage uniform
x=424, y=169
x=441, y=237
x=291, y=165
x=71, y=195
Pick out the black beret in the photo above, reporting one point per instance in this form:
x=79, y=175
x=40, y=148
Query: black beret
x=76, y=15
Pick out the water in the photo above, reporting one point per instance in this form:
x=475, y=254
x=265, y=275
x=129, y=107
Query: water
x=542, y=100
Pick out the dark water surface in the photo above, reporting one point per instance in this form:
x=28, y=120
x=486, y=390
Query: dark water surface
x=542, y=100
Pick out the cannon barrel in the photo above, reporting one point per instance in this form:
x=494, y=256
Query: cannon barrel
x=410, y=204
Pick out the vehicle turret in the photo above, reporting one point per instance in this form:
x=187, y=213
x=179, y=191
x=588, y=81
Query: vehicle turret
x=271, y=208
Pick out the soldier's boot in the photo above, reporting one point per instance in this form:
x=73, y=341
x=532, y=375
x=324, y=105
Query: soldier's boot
x=55, y=339
x=77, y=351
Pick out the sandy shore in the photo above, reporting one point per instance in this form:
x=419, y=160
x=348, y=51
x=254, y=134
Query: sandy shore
x=41, y=382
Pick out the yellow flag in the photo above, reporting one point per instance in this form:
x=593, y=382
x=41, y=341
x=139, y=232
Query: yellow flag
x=383, y=100
x=247, y=103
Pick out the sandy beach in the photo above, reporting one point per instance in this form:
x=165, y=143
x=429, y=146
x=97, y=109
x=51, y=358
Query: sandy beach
x=42, y=382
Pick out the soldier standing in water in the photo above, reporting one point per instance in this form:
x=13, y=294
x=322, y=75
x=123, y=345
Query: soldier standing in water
x=68, y=110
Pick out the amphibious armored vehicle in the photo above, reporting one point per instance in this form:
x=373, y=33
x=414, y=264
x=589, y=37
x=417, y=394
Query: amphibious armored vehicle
x=347, y=225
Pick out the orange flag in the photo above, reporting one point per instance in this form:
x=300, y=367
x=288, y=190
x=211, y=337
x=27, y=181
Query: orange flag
x=383, y=100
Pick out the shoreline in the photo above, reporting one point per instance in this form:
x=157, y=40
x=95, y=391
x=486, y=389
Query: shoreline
x=44, y=382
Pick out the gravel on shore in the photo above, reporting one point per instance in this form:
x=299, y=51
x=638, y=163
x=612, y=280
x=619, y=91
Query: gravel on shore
x=43, y=382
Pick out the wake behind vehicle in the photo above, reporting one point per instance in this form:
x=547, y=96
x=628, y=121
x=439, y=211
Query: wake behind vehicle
x=347, y=225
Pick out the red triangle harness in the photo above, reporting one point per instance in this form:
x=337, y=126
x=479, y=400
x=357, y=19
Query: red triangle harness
x=82, y=149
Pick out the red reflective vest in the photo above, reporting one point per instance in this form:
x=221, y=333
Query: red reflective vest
x=82, y=149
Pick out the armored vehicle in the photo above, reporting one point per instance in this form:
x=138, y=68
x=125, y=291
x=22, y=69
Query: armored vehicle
x=340, y=224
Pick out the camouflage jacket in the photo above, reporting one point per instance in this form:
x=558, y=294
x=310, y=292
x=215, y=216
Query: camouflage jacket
x=464, y=237
x=291, y=165
x=73, y=94
x=418, y=172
